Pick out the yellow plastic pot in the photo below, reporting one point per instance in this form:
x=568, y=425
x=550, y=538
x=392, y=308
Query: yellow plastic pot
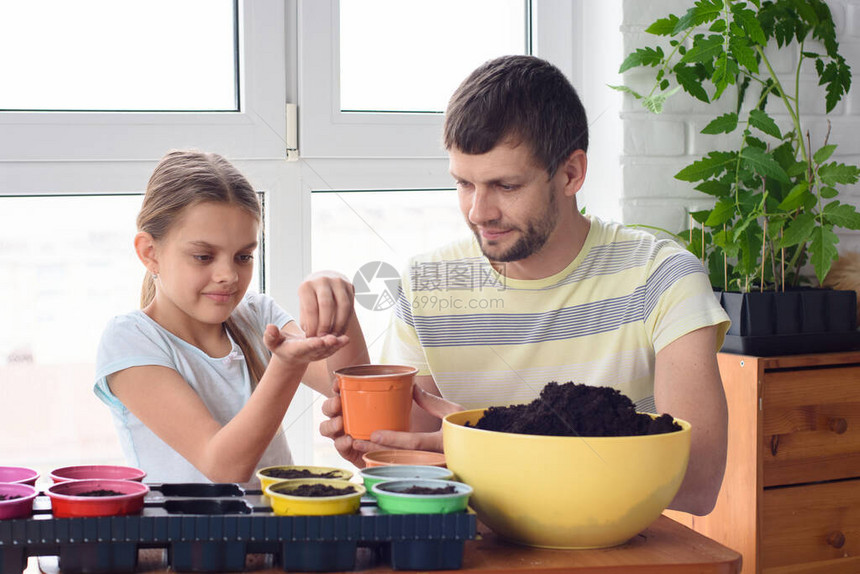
x=263, y=475
x=565, y=492
x=284, y=503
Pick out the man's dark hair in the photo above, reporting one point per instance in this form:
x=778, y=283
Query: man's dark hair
x=522, y=98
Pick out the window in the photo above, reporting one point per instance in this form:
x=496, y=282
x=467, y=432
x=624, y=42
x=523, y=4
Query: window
x=243, y=40
x=53, y=56
x=514, y=26
x=360, y=233
x=68, y=265
x=409, y=56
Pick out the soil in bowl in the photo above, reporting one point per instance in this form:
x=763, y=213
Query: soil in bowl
x=320, y=490
x=9, y=496
x=425, y=490
x=289, y=473
x=100, y=492
x=572, y=409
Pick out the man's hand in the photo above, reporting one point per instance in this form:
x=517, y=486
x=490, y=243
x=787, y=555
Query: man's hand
x=352, y=450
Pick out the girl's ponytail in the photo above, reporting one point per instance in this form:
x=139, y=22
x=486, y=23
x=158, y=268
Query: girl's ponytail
x=147, y=290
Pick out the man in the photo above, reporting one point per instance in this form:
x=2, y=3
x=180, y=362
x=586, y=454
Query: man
x=543, y=293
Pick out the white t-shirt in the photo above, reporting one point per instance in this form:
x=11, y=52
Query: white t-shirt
x=223, y=383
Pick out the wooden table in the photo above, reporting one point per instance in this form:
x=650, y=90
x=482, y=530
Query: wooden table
x=666, y=547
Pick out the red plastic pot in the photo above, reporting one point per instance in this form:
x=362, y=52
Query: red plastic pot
x=104, y=471
x=19, y=507
x=69, y=501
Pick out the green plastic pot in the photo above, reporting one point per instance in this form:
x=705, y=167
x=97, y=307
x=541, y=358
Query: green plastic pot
x=375, y=474
x=391, y=498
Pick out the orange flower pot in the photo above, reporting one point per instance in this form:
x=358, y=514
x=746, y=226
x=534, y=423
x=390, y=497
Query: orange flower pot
x=375, y=397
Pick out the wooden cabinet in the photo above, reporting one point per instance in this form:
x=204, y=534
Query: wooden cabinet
x=790, y=500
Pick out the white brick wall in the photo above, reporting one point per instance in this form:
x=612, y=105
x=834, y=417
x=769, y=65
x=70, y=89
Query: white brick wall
x=656, y=147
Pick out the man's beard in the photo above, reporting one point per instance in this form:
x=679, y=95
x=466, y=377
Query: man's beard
x=532, y=240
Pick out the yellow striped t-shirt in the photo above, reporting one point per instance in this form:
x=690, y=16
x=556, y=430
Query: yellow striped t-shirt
x=490, y=340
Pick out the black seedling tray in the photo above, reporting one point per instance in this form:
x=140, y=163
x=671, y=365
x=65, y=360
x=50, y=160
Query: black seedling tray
x=213, y=527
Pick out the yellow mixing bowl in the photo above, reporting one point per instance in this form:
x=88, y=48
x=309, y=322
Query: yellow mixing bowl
x=285, y=504
x=565, y=492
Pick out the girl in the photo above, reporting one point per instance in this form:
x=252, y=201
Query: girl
x=199, y=379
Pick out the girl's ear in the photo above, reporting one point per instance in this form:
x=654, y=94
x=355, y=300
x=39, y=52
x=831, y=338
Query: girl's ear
x=144, y=246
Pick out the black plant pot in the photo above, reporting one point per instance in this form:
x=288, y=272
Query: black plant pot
x=790, y=322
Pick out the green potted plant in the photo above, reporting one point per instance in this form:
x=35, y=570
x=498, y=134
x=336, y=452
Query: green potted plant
x=775, y=192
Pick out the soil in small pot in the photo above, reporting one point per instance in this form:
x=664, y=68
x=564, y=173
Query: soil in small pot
x=318, y=490
x=9, y=496
x=100, y=492
x=572, y=409
x=425, y=490
x=300, y=473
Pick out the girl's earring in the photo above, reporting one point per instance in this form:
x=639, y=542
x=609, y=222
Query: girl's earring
x=154, y=276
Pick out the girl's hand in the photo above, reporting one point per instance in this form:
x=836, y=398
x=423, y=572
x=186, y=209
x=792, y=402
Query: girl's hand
x=325, y=304
x=295, y=349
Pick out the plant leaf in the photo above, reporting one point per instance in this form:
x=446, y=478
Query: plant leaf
x=724, y=124
x=747, y=20
x=796, y=169
x=704, y=49
x=714, y=187
x=663, y=26
x=742, y=52
x=828, y=192
x=627, y=90
x=822, y=250
x=642, y=57
x=835, y=173
x=691, y=82
x=799, y=230
x=762, y=121
x=842, y=215
x=703, y=11
x=836, y=75
x=721, y=213
x=824, y=153
x=795, y=197
x=709, y=166
x=763, y=163
x=654, y=104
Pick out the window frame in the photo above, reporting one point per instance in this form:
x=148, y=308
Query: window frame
x=257, y=130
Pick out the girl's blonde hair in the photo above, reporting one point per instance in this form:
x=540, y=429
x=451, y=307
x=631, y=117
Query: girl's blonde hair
x=183, y=179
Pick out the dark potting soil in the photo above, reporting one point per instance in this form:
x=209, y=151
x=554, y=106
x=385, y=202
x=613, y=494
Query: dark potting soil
x=300, y=473
x=425, y=490
x=9, y=496
x=574, y=409
x=318, y=490
x=100, y=492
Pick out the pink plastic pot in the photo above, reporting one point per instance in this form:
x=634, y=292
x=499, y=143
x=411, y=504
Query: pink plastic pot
x=16, y=500
x=68, y=499
x=105, y=471
x=18, y=475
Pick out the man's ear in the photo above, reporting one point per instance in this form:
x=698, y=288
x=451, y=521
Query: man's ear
x=573, y=172
x=144, y=246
